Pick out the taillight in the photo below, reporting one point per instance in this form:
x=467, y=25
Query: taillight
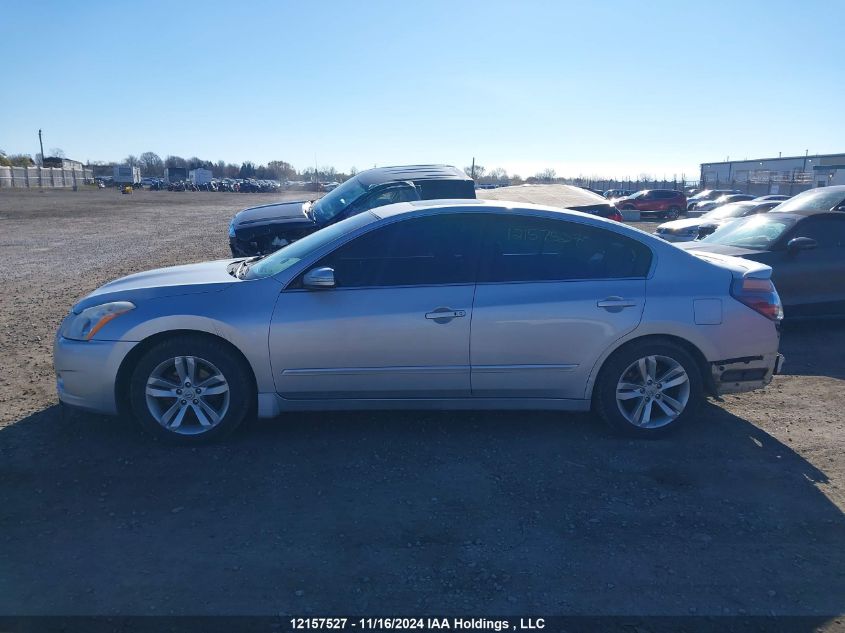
x=759, y=295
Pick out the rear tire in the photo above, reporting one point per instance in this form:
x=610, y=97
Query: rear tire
x=648, y=388
x=190, y=390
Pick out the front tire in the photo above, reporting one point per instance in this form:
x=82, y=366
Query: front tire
x=190, y=390
x=672, y=214
x=648, y=388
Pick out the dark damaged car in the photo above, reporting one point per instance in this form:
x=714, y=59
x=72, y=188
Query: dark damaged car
x=267, y=228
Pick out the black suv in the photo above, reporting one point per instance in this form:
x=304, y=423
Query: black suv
x=264, y=229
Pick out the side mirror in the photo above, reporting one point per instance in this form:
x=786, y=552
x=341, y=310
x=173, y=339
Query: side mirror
x=319, y=278
x=797, y=244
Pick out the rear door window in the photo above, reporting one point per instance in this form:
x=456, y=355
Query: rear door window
x=524, y=248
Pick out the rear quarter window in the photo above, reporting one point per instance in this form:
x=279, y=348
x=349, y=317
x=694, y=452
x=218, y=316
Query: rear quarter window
x=524, y=248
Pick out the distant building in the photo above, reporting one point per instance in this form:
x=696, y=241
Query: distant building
x=784, y=175
x=64, y=163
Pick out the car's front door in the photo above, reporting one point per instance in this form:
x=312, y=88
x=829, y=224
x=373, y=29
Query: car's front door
x=397, y=323
x=811, y=282
x=552, y=295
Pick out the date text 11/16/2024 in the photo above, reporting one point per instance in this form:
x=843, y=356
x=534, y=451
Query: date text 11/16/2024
x=420, y=624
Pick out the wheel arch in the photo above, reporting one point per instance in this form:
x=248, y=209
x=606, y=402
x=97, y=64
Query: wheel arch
x=124, y=372
x=691, y=348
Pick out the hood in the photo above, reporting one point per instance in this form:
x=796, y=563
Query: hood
x=272, y=213
x=164, y=282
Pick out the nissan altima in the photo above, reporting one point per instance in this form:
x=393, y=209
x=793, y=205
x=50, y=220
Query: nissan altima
x=448, y=305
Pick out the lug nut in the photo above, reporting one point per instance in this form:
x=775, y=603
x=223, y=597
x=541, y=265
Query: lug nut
x=178, y=392
x=187, y=383
x=197, y=389
x=184, y=402
x=196, y=401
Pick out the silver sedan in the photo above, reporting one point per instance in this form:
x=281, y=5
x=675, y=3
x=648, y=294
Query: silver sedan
x=470, y=305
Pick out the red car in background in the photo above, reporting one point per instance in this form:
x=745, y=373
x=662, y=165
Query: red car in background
x=666, y=204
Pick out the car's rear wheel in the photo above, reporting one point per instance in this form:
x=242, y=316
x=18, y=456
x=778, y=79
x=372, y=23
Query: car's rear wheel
x=190, y=390
x=648, y=388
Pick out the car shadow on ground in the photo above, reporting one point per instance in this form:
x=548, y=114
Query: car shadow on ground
x=415, y=513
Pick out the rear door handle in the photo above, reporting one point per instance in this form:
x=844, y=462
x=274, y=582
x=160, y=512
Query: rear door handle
x=616, y=302
x=444, y=315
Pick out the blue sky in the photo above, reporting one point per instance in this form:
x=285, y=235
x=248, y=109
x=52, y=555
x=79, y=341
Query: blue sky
x=591, y=88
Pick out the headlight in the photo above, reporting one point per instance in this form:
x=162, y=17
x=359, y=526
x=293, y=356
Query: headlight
x=232, y=228
x=83, y=326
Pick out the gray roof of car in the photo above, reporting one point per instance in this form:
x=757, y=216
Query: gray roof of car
x=381, y=175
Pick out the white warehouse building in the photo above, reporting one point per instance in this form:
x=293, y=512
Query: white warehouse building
x=783, y=175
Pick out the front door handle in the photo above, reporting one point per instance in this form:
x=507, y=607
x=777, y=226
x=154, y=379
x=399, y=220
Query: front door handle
x=615, y=303
x=444, y=315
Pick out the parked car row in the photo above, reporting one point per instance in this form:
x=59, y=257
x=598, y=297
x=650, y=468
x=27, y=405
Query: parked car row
x=224, y=184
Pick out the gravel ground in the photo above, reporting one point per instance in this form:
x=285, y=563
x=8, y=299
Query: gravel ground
x=394, y=512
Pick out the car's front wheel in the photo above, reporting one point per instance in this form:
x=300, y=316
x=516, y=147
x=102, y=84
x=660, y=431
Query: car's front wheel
x=648, y=388
x=190, y=390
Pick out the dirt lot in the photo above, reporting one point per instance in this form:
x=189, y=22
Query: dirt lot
x=393, y=513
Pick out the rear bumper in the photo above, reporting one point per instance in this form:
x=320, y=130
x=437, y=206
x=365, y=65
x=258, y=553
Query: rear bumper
x=737, y=375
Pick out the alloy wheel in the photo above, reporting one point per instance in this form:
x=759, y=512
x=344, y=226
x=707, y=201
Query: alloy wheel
x=653, y=391
x=187, y=395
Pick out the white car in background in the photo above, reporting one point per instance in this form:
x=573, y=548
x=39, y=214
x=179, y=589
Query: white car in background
x=694, y=228
x=708, y=205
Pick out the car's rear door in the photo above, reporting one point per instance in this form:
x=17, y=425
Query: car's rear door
x=397, y=323
x=552, y=295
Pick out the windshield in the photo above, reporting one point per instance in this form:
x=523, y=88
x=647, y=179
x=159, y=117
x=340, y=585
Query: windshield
x=286, y=257
x=813, y=200
x=757, y=232
x=639, y=194
x=732, y=210
x=338, y=199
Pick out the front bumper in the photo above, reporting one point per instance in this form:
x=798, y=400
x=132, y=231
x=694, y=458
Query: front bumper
x=86, y=372
x=737, y=375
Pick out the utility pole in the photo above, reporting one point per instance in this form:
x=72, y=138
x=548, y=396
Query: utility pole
x=41, y=143
x=472, y=169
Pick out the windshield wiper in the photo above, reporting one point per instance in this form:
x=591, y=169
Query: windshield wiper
x=243, y=267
